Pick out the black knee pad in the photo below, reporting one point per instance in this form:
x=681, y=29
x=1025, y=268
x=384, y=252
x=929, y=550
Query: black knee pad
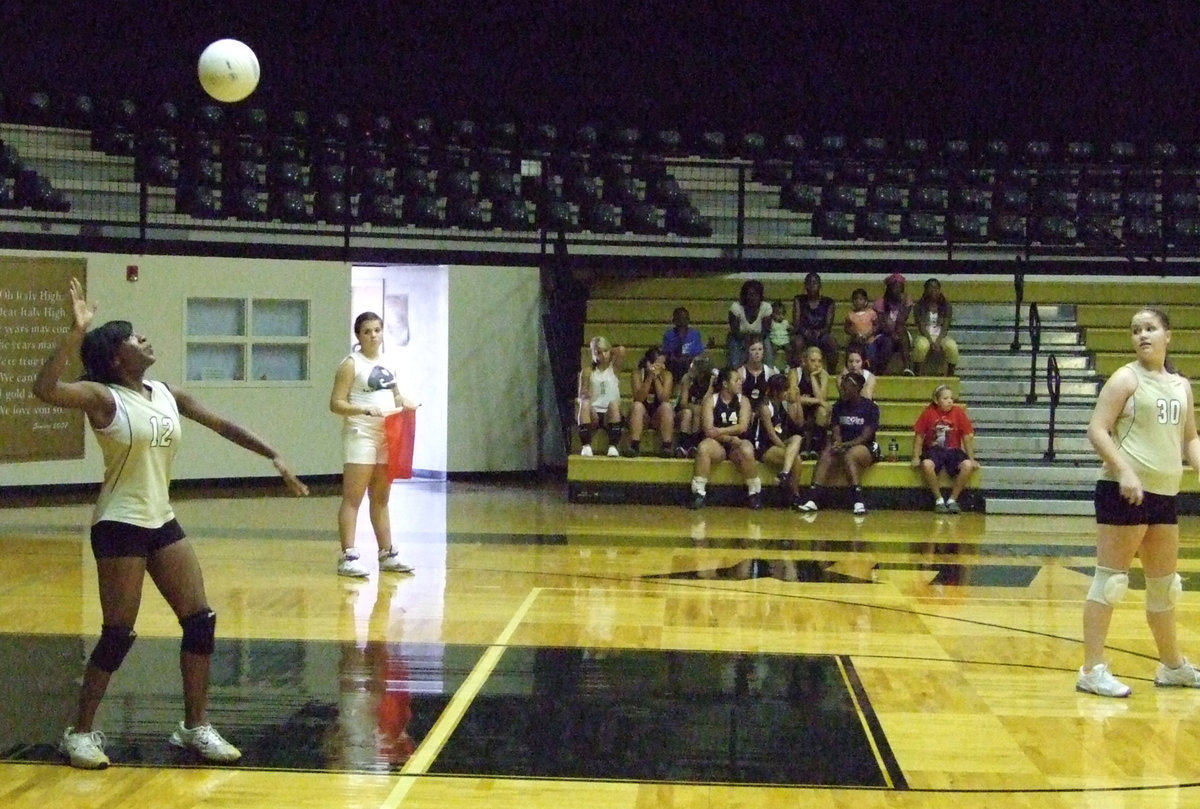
x=112, y=647
x=614, y=431
x=199, y=632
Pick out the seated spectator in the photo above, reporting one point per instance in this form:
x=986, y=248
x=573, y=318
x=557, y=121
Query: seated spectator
x=891, y=329
x=812, y=319
x=931, y=318
x=777, y=438
x=653, y=387
x=780, y=333
x=853, y=448
x=808, y=389
x=600, y=396
x=860, y=322
x=681, y=343
x=944, y=439
x=695, y=386
x=725, y=420
x=749, y=318
x=755, y=372
x=856, y=362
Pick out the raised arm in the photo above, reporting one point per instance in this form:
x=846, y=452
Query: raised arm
x=643, y=383
x=92, y=398
x=190, y=407
x=765, y=419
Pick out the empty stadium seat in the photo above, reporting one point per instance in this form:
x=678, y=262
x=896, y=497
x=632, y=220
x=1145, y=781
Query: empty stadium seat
x=513, y=214
x=923, y=226
x=876, y=225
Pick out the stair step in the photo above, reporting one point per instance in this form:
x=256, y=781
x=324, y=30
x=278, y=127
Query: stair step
x=973, y=363
x=1002, y=314
x=1017, y=505
x=990, y=444
x=1014, y=415
x=970, y=389
x=1002, y=338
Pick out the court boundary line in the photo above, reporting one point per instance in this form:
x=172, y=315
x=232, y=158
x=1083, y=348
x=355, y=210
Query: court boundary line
x=429, y=748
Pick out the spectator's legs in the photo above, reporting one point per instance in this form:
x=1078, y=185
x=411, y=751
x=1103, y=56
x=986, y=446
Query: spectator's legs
x=665, y=415
x=920, y=350
x=929, y=473
x=637, y=423
x=884, y=346
x=960, y=481
x=950, y=349
x=612, y=425
x=829, y=348
x=735, y=351
x=904, y=346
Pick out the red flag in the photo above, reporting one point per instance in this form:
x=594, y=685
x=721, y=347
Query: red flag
x=401, y=430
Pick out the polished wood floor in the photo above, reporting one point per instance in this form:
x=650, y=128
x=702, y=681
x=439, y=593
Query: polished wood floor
x=957, y=638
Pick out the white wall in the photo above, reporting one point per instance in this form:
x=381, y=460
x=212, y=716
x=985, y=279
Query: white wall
x=294, y=419
x=495, y=324
x=491, y=365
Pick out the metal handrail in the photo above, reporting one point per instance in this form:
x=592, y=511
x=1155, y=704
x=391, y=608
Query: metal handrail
x=1035, y=343
x=1054, y=388
x=1019, y=283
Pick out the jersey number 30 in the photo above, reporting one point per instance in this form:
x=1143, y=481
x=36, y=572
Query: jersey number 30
x=1168, y=411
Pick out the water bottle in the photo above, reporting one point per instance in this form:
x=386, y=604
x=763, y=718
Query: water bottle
x=893, y=450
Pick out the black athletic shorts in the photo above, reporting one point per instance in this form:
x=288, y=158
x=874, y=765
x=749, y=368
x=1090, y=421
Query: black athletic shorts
x=111, y=539
x=1113, y=509
x=950, y=459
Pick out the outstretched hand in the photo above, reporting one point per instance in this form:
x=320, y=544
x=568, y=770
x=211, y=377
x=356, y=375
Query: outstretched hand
x=82, y=310
x=294, y=484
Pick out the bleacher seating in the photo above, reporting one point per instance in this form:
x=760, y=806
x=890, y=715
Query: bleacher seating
x=634, y=313
x=1083, y=196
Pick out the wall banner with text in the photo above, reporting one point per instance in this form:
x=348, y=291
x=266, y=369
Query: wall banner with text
x=34, y=316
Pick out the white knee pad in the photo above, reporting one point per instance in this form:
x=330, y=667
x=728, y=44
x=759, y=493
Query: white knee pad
x=1108, y=586
x=1162, y=592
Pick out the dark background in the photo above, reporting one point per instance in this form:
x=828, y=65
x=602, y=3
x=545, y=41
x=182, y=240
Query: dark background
x=934, y=68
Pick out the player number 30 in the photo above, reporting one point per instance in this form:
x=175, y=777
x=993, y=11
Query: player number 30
x=1168, y=411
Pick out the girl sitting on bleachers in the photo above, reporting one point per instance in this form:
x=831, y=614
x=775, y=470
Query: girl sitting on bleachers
x=600, y=396
x=653, y=386
x=777, y=437
x=695, y=386
x=807, y=389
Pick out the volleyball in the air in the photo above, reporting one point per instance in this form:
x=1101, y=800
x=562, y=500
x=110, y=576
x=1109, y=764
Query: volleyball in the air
x=228, y=70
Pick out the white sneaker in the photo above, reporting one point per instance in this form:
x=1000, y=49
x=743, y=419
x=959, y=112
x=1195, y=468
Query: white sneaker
x=389, y=562
x=806, y=506
x=860, y=508
x=350, y=565
x=1101, y=681
x=86, y=750
x=586, y=451
x=613, y=452
x=1185, y=676
x=207, y=742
